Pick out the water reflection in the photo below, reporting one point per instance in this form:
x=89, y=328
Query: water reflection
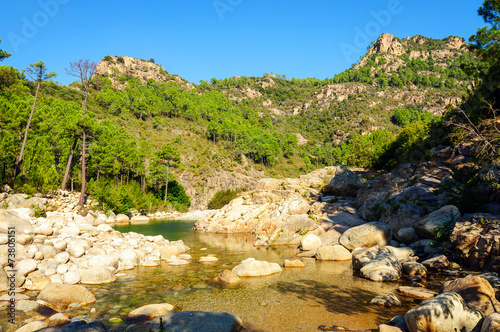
x=298, y=299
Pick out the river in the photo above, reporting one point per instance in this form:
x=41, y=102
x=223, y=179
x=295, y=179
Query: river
x=322, y=293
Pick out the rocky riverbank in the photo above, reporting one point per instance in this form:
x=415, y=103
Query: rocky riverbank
x=388, y=226
x=393, y=227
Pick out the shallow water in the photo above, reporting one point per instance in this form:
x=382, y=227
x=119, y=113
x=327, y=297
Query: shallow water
x=322, y=293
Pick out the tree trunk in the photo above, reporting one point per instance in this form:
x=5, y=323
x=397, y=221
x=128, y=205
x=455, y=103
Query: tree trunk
x=68, y=166
x=166, y=183
x=20, y=158
x=81, y=201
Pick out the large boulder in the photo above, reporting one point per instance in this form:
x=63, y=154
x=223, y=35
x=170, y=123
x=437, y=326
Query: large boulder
x=445, y=312
x=61, y=295
x=377, y=264
x=97, y=275
x=21, y=226
x=333, y=253
x=367, y=235
x=199, y=321
x=344, y=183
x=491, y=323
x=151, y=311
x=476, y=292
x=428, y=226
x=310, y=242
x=253, y=268
x=477, y=238
x=33, y=326
x=122, y=219
x=139, y=220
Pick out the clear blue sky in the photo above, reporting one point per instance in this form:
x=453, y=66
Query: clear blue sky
x=201, y=39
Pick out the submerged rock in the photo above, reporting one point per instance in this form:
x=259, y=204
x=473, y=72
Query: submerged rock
x=199, y=321
x=253, y=268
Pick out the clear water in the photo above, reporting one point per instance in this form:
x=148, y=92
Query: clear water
x=322, y=293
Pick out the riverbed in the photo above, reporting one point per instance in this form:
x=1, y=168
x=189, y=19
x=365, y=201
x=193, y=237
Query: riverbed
x=297, y=299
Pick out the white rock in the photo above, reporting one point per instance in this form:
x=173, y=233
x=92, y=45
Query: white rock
x=310, y=242
x=71, y=277
x=62, y=257
x=253, y=268
x=26, y=266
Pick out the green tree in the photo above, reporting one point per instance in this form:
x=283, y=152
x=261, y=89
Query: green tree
x=3, y=54
x=168, y=156
x=38, y=73
x=84, y=70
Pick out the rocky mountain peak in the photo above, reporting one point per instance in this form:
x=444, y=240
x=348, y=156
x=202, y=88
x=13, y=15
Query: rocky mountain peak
x=116, y=67
x=387, y=43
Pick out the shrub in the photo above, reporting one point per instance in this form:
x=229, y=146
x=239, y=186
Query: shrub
x=223, y=197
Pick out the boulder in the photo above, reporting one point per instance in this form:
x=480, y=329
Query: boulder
x=390, y=300
x=139, y=220
x=428, y=226
x=78, y=326
x=445, y=312
x=76, y=250
x=199, y=321
x=228, y=277
x=295, y=263
x=437, y=263
x=169, y=251
x=491, y=323
x=310, y=242
x=407, y=235
x=333, y=253
x=4, y=281
x=401, y=253
x=297, y=205
x=61, y=295
x=26, y=266
x=131, y=255
x=104, y=260
x=58, y=319
x=477, y=238
x=411, y=269
x=122, y=219
x=367, y=235
x=36, y=280
x=33, y=326
x=416, y=292
x=344, y=183
x=151, y=311
x=62, y=257
x=71, y=277
x=377, y=264
x=8, y=219
x=253, y=268
x=476, y=292
x=97, y=275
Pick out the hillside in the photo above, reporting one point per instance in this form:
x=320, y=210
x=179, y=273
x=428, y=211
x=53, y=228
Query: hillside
x=229, y=133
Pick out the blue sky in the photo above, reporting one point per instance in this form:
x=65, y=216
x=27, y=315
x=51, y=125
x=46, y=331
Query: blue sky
x=201, y=39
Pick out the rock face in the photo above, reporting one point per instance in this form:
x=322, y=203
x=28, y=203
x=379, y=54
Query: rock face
x=445, y=312
x=477, y=237
x=61, y=295
x=200, y=321
x=476, y=292
x=387, y=43
x=377, y=264
x=367, y=235
x=429, y=225
x=252, y=268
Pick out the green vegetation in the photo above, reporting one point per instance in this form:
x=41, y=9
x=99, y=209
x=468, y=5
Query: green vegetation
x=142, y=136
x=223, y=197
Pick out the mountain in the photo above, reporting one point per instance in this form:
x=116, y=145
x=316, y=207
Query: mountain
x=230, y=132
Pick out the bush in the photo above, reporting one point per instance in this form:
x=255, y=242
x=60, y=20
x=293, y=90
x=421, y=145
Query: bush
x=223, y=197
